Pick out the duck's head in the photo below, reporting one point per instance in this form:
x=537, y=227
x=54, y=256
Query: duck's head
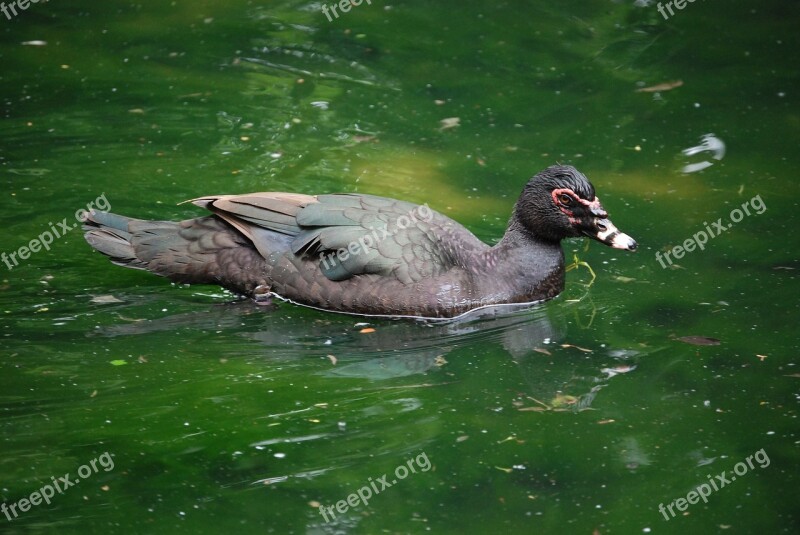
x=560, y=203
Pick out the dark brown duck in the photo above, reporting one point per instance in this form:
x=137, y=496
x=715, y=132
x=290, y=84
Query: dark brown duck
x=365, y=254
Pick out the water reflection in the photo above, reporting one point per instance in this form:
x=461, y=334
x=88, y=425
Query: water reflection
x=559, y=375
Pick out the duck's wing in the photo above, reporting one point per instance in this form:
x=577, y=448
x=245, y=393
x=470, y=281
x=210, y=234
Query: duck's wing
x=350, y=234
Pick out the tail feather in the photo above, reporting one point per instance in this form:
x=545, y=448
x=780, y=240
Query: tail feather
x=201, y=250
x=108, y=233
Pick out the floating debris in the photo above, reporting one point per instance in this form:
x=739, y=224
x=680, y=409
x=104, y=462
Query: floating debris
x=666, y=86
x=105, y=299
x=576, y=347
x=271, y=480
x=695, y=167
x=699, y=340
x=563, y=400
x=708, y=143
x=33, y=171
x=450, y=122
x=617, y=370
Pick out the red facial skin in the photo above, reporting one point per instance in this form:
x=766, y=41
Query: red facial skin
x=594, y=206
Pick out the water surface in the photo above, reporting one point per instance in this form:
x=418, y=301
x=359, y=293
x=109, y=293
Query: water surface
x=581, y=415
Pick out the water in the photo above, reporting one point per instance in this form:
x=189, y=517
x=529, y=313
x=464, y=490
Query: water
x=581, y=415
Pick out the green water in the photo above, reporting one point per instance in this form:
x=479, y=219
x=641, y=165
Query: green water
x=578, y=416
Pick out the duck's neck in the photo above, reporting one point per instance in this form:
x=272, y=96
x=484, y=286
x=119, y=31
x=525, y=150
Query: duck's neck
x=522, y=266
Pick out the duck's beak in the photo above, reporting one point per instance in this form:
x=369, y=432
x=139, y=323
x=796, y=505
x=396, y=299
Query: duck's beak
x=604, y=231
x=598, y=227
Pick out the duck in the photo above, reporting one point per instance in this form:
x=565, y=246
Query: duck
x=364, y=254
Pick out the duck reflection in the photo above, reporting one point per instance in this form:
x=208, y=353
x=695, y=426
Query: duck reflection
x=380, y=349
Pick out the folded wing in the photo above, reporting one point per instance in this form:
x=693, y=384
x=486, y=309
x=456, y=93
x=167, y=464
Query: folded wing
x=347, y=234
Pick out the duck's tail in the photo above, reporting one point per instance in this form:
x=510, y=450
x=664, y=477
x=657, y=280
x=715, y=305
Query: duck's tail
x=204, y=250
x=111, y=235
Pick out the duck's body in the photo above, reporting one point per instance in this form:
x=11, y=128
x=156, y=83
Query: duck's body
x=365, y=254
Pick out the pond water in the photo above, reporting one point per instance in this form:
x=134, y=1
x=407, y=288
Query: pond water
x=610, y=409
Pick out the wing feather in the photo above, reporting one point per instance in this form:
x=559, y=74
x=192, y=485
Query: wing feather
x=373, y=234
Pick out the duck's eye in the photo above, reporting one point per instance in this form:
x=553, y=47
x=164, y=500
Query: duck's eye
x=565, y=199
